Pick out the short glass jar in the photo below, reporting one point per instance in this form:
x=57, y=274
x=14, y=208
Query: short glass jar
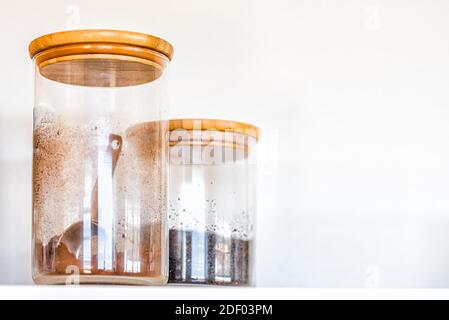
x=100, y=158
x=212, y=201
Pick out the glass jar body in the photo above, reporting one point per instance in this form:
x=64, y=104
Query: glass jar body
x=99, y=181
x=211, y=208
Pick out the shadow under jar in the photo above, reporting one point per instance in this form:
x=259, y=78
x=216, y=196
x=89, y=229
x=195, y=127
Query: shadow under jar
x=212, y=202
x=100, y=158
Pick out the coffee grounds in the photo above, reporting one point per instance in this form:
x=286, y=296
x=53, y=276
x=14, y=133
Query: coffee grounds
x=208, y=258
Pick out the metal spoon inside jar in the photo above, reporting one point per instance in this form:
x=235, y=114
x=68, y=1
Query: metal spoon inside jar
x=71, y=240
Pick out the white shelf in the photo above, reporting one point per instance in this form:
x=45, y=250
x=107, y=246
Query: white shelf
x=213, y=293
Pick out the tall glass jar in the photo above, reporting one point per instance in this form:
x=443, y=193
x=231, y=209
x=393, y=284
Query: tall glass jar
x=212, y=201
x=100, y=162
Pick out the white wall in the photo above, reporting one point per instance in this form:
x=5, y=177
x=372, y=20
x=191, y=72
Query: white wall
x=352, y=97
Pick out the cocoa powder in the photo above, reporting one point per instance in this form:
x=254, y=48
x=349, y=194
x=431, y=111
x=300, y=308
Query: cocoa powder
x=54, y=258
x=66, y=164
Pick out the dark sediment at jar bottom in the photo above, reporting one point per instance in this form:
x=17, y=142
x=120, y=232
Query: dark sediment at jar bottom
x=208, y=258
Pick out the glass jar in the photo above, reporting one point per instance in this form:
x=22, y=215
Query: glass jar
x=100, y=158
x=212, y=201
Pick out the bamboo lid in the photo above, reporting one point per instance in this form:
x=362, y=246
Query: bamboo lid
x=215, y=124
x=101, y=58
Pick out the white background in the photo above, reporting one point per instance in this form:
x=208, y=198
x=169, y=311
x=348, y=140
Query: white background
x=353, y=101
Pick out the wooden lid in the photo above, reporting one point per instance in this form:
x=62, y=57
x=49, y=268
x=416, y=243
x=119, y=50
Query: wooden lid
x=215, y=124
x=101, y=58
x=100, y=36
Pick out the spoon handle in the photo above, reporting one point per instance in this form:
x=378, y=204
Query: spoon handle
x=114, y=149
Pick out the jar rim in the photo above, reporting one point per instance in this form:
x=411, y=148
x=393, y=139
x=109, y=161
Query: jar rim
x=215, y=124
x=105, y=36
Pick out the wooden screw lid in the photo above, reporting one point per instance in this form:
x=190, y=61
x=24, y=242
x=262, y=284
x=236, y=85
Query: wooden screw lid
x=102, y=58
x=100, y=36
x=215, y=124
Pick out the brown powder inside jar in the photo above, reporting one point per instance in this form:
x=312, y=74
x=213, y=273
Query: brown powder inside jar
x=56, y=259
x=65, y=171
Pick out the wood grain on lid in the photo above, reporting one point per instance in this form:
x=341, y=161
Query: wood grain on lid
x=60, y=39
x=101, y=58
x=215, y=124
